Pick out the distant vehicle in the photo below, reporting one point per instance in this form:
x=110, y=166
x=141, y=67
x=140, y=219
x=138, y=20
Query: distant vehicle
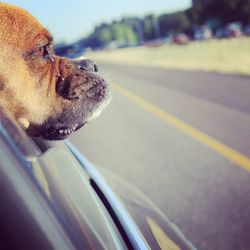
x=167, y=39
x=181, y=39
x=231, y=30
x=54, y=198
x=203, y=33
x=234, y=29
x=116, y=44
x=153, y=43
x=247, y=30
x=220, y=33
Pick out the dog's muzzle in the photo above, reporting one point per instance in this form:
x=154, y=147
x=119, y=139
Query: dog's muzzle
x=84, y=82
x=87, y=94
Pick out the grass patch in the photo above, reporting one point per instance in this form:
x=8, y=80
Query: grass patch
x=227, y=56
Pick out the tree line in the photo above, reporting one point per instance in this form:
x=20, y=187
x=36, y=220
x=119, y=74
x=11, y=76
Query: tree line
x=134, y=30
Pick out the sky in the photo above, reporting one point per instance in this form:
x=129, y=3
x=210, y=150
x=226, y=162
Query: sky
x=71, y=20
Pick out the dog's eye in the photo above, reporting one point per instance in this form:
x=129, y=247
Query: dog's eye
x=42, y=51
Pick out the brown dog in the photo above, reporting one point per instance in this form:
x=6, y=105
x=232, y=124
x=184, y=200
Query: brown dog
x=48, y=95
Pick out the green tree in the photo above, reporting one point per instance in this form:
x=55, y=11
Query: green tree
x=131, y=30
x=136, y=24
x=104, y=34
x=123, y=34
x=148, y=29
x=223, y=10
x=173, y=23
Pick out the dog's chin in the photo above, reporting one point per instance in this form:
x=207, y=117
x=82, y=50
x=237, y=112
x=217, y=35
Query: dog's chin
x=60, y=132
x=53, y=131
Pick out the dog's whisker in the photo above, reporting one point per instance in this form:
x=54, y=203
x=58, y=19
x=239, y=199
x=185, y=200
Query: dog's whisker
x=60, y=76
x=52, y=59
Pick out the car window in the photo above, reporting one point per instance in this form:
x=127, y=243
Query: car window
x=16, y=136
x=63, y=185
x=67, y=187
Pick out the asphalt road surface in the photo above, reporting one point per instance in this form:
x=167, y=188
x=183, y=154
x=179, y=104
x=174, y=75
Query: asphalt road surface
x=157, y=134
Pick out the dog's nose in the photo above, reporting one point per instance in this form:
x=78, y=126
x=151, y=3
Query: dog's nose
x=86, y=65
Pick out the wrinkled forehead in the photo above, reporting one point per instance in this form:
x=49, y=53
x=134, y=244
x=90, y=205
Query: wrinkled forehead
x=20, y=29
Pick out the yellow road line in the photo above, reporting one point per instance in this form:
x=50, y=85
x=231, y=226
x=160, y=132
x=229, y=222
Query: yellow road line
x=224, y=150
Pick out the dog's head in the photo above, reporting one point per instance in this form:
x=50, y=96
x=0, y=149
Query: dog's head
x=49, y=96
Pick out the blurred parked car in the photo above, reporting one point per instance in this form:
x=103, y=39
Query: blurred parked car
x=234, y=29
x=231, y=30
x=220, y=33
x=181, y=39
x=247, y=30
x=168, y=39
x=203, y=33
x=52, y=197
x=153, y=43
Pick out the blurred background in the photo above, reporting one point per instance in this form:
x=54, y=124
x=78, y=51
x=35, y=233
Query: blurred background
x=178, y=126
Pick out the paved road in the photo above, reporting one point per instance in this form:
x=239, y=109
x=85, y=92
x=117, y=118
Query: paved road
x=198, y=188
